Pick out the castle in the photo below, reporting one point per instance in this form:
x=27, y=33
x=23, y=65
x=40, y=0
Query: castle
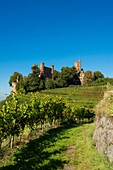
x=46, y=72
x=78, y=65
x=81, y=71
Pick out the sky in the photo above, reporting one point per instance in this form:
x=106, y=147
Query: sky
x=56, y=32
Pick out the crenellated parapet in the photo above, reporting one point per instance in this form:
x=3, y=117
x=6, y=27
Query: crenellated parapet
x=46, y=72
x=78, y=65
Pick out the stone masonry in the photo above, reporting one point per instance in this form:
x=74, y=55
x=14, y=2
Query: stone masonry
x=103, y=133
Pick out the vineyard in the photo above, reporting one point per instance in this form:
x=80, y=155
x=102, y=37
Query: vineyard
x=80, y=96
x=45, y=110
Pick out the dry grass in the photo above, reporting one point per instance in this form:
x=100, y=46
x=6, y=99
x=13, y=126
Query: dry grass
x=104, y=108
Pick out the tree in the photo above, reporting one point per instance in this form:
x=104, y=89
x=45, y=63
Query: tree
x=88, y=77
x=33, y=80
x=69, y=75
x=14, y=77
x=18, y=78
x=56, y=74
x=60, y=83
x=98, y=75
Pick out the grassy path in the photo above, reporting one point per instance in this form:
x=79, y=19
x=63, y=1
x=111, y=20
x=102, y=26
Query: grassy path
x=67, y=147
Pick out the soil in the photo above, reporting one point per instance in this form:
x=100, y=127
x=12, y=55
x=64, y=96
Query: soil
x=54, y=93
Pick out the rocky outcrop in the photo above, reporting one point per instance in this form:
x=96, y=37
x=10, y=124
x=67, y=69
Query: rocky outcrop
x=103, y=134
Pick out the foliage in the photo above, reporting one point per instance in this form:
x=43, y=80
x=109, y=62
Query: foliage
x=16, y=115
x=56, y=74
x=21, y=91
x=102, y=81
x=104, y=107
x=98, y=75
x=32, y=82
x=79, y=96
x=42, y=84
x=2, y=103
x=14, y=77
x=20, y=85
x=34, y=109
x=51, y=151
x=69, y=75
x=27, y=81
x=59, y=83
x=50, y=84
x=88, y=78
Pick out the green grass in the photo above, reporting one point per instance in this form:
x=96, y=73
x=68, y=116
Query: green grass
x=88, y=157
x=48, y=152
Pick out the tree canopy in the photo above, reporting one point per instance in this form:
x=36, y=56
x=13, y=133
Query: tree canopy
x=69, y=75
x=56, y=74
x=88, y=77
x=32, y=82
x=98, y=75
x=14, y=77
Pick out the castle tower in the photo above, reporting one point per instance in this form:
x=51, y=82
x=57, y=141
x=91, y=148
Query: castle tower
x=78, y=65
x=52, y=70
x=33, y=65
x=41, y=67
x=45, y=72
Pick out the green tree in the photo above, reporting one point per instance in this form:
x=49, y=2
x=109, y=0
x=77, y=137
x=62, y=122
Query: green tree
x=14, y=77
x=20, y=85
x=27, y=82
x=88, y=77
x=98, y=75
x=56, y=74
x=60, y=83
x=69, y=75
x=32, y=82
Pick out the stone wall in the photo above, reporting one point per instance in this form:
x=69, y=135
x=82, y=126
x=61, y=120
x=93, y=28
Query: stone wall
x=14, y=87
x=103, y=134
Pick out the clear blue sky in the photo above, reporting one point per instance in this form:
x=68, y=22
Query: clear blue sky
x=55, y=32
